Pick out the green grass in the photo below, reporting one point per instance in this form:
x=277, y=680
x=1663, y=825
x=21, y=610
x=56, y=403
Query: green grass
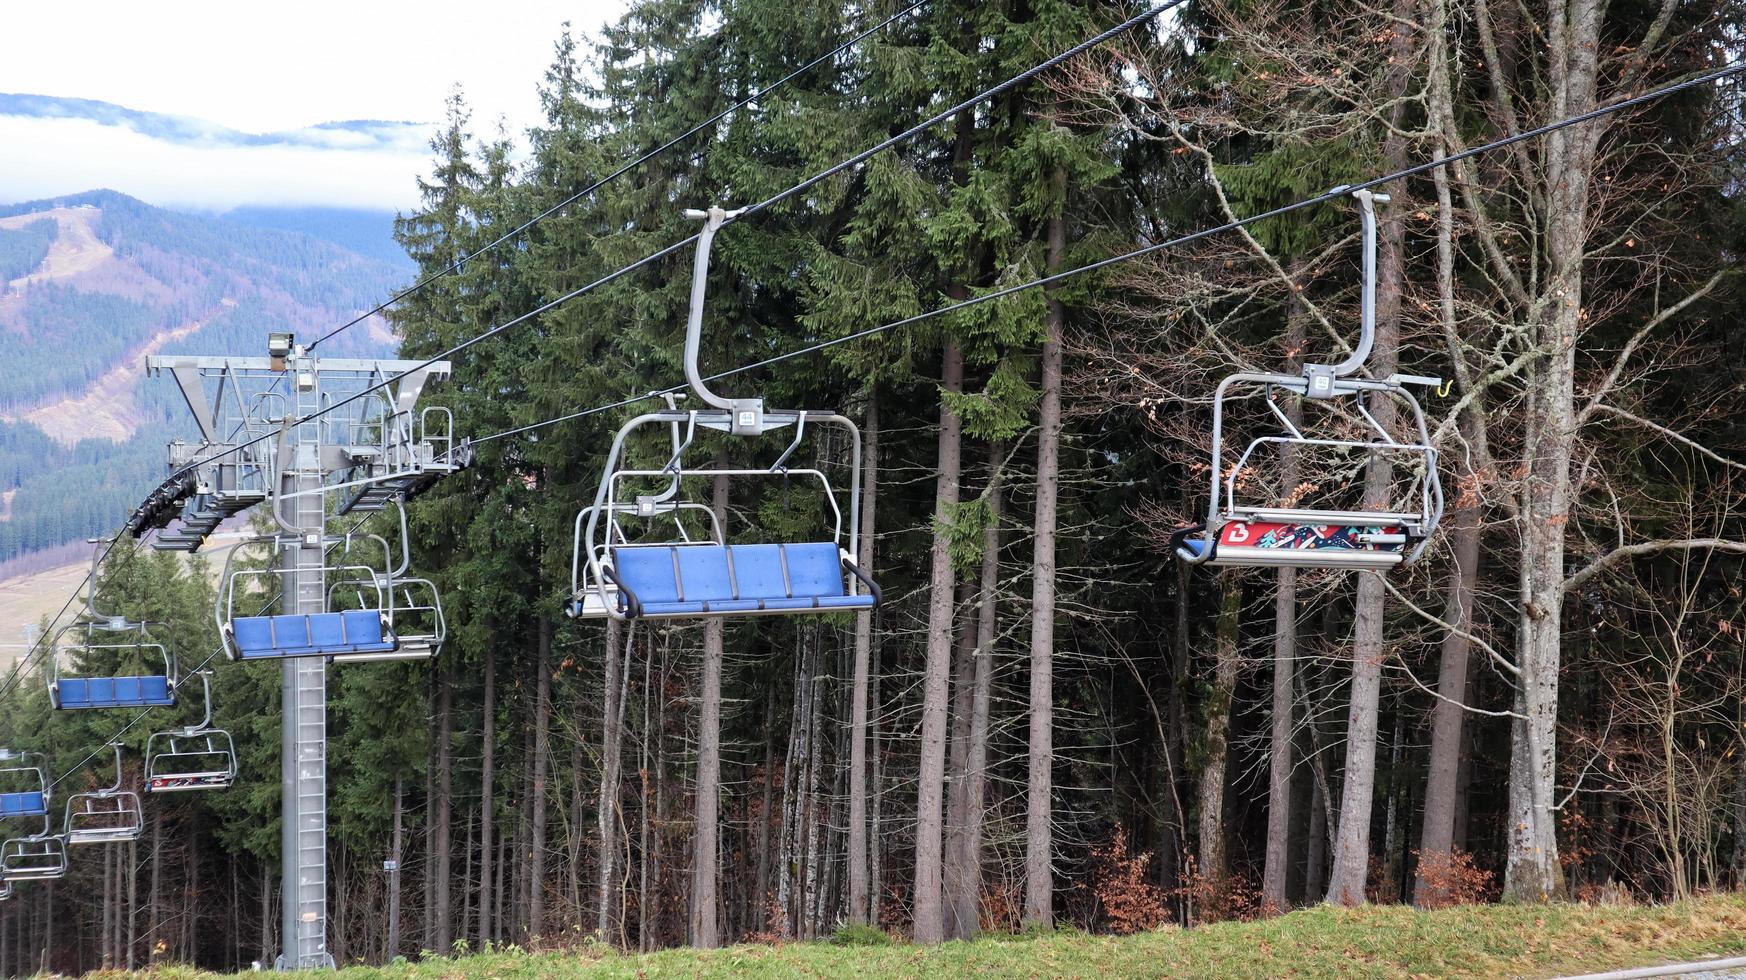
x=1475, y=941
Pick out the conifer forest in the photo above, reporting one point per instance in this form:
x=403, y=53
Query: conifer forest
x=1050, y=718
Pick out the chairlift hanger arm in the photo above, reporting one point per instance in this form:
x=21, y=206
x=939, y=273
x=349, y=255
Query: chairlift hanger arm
x=746, y=413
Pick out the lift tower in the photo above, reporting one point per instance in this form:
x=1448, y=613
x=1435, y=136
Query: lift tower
x=290, y=430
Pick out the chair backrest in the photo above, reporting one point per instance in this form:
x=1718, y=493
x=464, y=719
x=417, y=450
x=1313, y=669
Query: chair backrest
x=648, y=572
x=113, y=692
x=704, y=573
x=715, y=573
x=758, y=571
x=29, y=804
x=814, y=569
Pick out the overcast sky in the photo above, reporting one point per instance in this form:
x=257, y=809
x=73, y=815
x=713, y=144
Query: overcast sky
x=265, y=68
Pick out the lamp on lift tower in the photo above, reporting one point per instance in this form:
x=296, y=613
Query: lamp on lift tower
x=279, y=348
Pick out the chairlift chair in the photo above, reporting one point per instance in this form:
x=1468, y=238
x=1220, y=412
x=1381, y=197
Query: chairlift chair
x=5, y=889
x=411, y=607
x=649, y=519
x=693, y=579
x=190, y=758
x=99, y=636
x=104, y=816
x=26, y=795
x=277, y=635
x=591, y=598
x=35, y=857
x=24, y=785
x=1283, y=531
x=123, y=640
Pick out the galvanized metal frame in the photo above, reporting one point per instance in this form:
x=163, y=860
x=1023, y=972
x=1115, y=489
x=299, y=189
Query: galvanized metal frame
x=1325, y=383
x=593, y=593
x=209, y=743
x=120, y=808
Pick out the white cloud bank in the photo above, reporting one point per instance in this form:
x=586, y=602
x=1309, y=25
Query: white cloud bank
x=52, y=157
x=266, y=68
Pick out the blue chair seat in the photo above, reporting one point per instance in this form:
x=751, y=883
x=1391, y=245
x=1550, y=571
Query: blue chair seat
x=31, y=804
x=113, y=692
x=714, y=580
x=314, y=635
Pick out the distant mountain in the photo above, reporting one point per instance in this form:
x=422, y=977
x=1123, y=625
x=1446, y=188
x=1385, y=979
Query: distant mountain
x=368, y=233
x=93, y=282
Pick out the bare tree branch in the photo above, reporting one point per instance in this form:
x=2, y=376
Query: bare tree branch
x=1629, y=551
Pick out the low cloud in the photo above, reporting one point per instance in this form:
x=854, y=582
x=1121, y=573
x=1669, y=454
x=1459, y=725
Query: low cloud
x=59, y=146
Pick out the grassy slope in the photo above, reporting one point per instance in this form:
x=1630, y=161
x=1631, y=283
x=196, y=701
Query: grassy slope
x=1483, y=941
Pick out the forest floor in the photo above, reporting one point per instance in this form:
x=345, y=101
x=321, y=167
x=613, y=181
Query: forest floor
x=1387, y=941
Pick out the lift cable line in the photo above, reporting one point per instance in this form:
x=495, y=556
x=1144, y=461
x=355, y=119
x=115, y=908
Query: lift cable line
x=515, y=232
x=1333, y=194
x=140, y=715
x=123, y=730
x=83, y=588
x=46, y=641
x=780, y=196
x=1045, y=281
x=812, y=181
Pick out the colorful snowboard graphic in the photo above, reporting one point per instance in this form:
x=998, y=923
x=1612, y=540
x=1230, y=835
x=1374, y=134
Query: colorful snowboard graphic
x=1302, y=537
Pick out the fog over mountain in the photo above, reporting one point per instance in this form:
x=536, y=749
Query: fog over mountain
x=56, y=145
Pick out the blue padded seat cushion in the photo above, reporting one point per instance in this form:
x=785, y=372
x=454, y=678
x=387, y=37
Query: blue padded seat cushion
x=758, y=570
x=31, y=804
x=697, y=579
x=648, y=572
x=314, y=635
x=814, y=569
x=113, y=692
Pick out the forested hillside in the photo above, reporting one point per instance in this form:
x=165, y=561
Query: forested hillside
x=91, y=283
x=1050, y=720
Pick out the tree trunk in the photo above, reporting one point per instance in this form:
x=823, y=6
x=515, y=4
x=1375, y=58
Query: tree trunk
x=154, y=919
x=498, y=892
x=392, y=948
x=1040, y=757
x=1279, y=763
x=106, y=945
x=1176, y=738
x=1531, y=870
x=815, y=763
x=611, y=754
x=542, y=764
x=266, y=916
x=859, y=906
x=467, y=890
x=930, y=793
x=1357, y=789
x=793, y=774
x=761, y=897
x=954, y=874
x=1213, y=869
x=704, y=845
x=487, y=787
x=1315, y=862
x=442, y=806
x=1448, y=719
x=133, y=904
x=875, y=773
x=976, y=770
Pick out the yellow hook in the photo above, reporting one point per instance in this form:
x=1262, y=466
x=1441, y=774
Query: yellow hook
x=1446, y=387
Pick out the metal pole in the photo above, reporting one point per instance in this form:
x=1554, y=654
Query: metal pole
x=303, y=731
